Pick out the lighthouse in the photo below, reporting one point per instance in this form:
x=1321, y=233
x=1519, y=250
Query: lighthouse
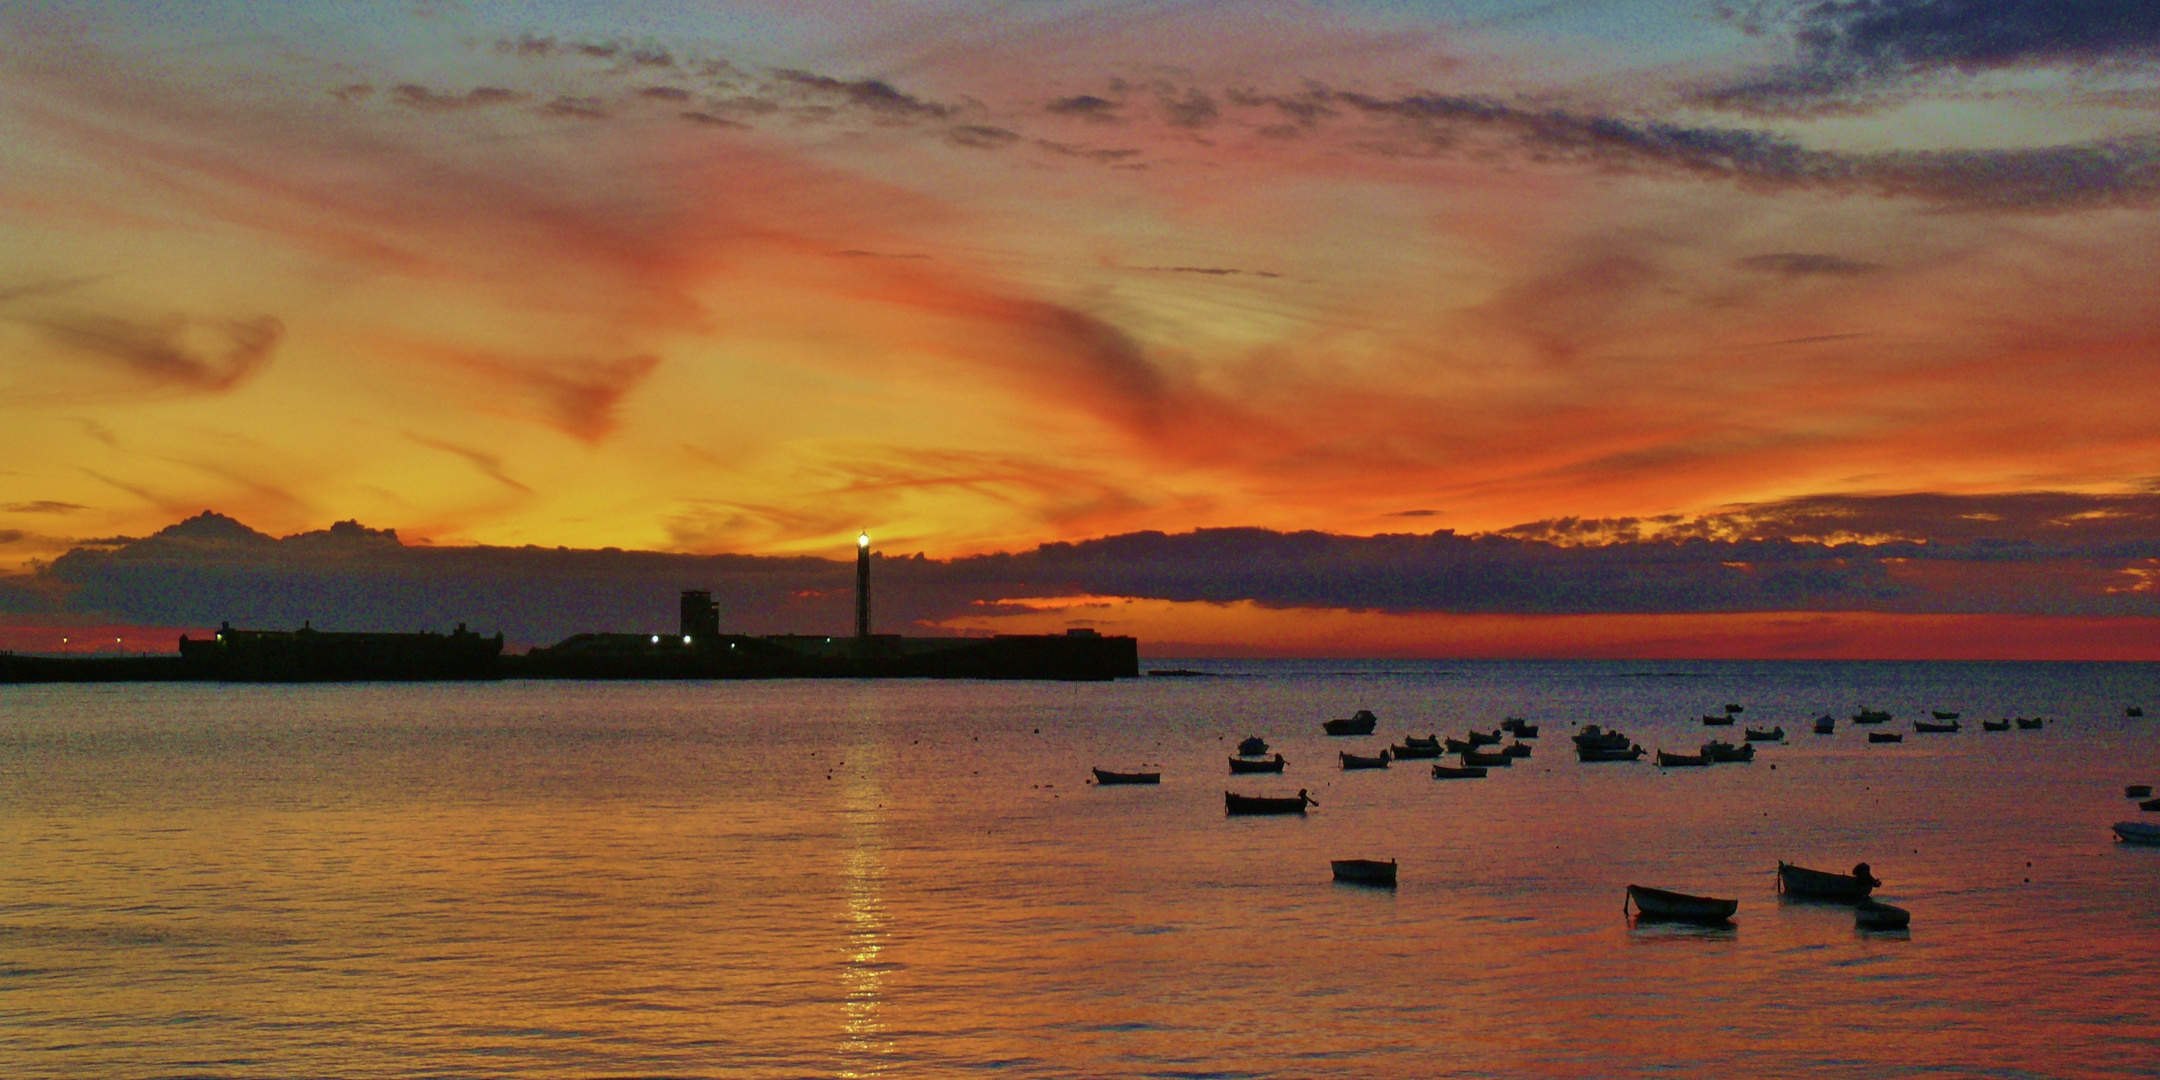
x=862, y=594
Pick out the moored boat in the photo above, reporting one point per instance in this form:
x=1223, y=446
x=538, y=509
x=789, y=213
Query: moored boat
x=1105, y=776
x=1733, y=707
x=1994, y=725
x=2137, y=832
x=1414, y=750
x=2150, y=804
x=2133, y=711
x=1479, y=757
x=1364, y=871
x=1871, y=716
x=1253, y=746
x=1681, y=907
x=2032, y=723
x=1776, y=734
x=1521, y=728
x=1483, y=738
x=2136, y=791
x=1516, y=749
x=1941, y=715
x=1875, y=915
x=1360, y=723
x=1449, y=772
x=1243, y=765
x=1361, y=761
x=1457, y=746
x=1592, y=735
x=1422, y=741
x=1925, y=728
x=1824, y=885
x=1825, y=725
x=1266, y=804
x=1725, y=751
x=1717, y=720
x=1886, y=736
x=1630, y=752
x=1680, y=761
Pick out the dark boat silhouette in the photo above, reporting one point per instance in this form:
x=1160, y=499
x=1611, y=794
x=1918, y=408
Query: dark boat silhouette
x=1243, y=765
x=1265, y=804
x=1360, y=723
x=1677, y=906
x=1365, y=871
x=1105, y=776
x=1822, y=884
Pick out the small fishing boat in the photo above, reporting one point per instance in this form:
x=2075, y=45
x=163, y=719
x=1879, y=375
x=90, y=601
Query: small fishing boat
x=1925, y=728
x=1871, y=716
x=1592, y=735
x=1727, y=752
x=1824, y=725
x=2137, y=832
x=1521, y=728
x=1481, y=738
x=1266, y=804
x=1680, y=761
x=1360, y=761
x=1516, y=749
x=1467, y=772
x=1253, y=746
x=1886, y=736
x=1365, y=871
x=1244, y=765
x=1479, y=757
x=2136, y=791
x=2150, y=804
x=1106, y=777
x=1414, y=750
x=1457, y=746
x=1874, y=915
x=1680, y=907
x=1941, y=715
x=1824, y=885
x=1732, y=708
x=2030, y=723
x=2133, y=711
x=1360, y=723
x=1717, y=720
x=1422, y=741
x=1607, y=753
x=1994, y=725
x=1776, y=734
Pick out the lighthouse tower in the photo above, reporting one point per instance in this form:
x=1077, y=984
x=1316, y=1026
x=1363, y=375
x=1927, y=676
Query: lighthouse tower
x=862, y=594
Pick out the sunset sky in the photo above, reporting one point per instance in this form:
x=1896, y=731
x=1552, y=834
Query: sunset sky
x=739, y=279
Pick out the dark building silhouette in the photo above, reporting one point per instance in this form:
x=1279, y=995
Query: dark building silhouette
x=311, y=655
x=700, y=616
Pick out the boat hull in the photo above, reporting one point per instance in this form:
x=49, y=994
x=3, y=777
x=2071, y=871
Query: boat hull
x=2138, y=832
x=1414, y=752
x=1262, y=804
x=1349, y=727
x=1601, y=753
x=1681, y=761
x=1821, y=884
x=1467, y=772
x=1239, y=765
x=1664, y=904
x=1106, y=777
x=1871, y=915
x=1358, y=761
x=2137, y=791
x=1885, y=736
x=1365, y=872
x=1502, y=761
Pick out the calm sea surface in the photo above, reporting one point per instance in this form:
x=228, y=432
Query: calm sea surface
x=913, y=879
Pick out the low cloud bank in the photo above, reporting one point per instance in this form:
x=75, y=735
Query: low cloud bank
x=2022, y=554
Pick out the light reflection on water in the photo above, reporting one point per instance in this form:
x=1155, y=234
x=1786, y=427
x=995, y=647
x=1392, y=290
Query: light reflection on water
x=911, y=879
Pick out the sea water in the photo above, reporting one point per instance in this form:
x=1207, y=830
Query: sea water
x=914, y=878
